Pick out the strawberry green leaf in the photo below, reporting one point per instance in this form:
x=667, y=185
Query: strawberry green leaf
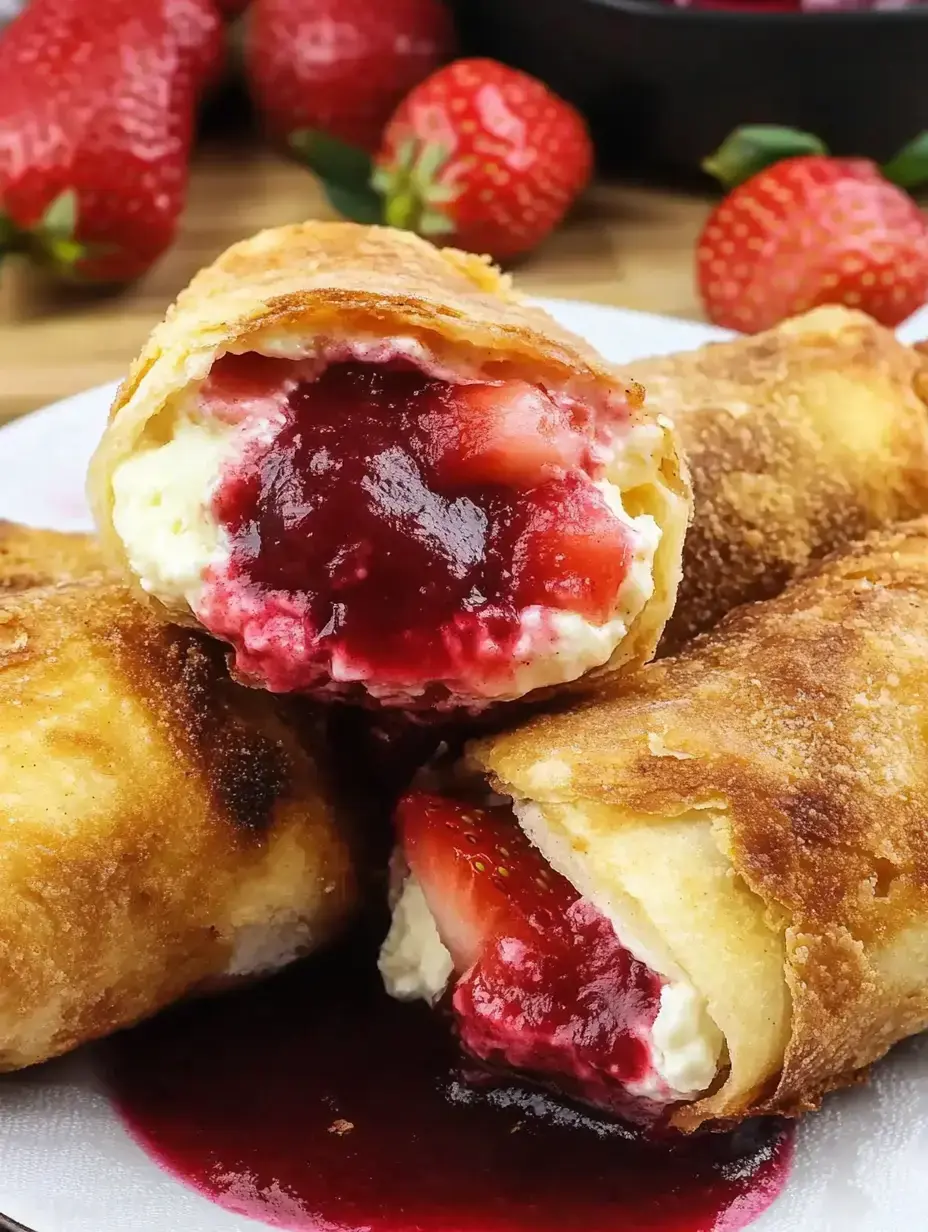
x=362, y=205
x=439, y=194
x=382, y=180
x=433, y=222
x=412, y=189
x=60, y=218
x=405, y=154
x=755, y=146
x=432, y=157
x=334, y=161
x=909, y=168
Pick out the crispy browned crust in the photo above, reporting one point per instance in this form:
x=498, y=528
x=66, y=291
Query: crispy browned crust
x=803, y=720
x=155, y=820
x=337, y=279
x=342, y=273
x=799, y=440
x=30, y=557
x=342, y=277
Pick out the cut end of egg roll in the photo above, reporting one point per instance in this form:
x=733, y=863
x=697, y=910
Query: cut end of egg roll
x=163, y=831
x=799, y=440
x=378, y=474
x=748, y=820
x=31, y=557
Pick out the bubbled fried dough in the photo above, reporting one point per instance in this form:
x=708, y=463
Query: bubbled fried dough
x=31, y=557
x=796, y=734
x=799, y=440
x=161, y=829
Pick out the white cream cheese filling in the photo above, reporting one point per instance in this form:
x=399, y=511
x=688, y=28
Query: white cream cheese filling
x=413, y=961
x=161, y=508
x=162, y=512
x=685, y=1044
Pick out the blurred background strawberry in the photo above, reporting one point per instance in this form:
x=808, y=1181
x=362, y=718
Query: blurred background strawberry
x=97, y=108
x=801, y=228
x=478, y=155
x=341, y=66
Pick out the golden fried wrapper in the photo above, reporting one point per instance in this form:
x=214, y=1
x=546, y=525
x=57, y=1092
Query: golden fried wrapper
x=162, y=831
x=799, y=440
x=752, y=814
x=31, y=557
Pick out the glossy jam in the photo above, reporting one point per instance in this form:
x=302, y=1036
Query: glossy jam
x=571, y=1005
x=314, y=1102
x=545, y=984
x=400, y=527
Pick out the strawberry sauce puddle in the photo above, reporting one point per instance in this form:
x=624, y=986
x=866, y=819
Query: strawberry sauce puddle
x=317, y=1103
x=401, y=526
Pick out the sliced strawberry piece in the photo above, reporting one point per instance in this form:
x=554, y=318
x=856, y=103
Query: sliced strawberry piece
x=242, y=387
x=574, y=552
x=511, y=434
x=544, y=985
x=479, y=873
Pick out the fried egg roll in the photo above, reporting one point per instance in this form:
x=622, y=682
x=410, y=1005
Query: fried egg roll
x=799, y=441
x=162, y=831
x=704, y=894
x=378, y=474
x=31, y=557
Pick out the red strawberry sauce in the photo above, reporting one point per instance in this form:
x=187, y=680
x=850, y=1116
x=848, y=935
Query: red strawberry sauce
x=315, y=1102
x=397, y=527
x=544, y=985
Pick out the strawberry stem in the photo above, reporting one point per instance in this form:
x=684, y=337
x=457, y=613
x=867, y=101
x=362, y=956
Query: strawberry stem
x=909, y=168
x=413, y=191
x=401, y=209
x=51, y=241
x=753, y=147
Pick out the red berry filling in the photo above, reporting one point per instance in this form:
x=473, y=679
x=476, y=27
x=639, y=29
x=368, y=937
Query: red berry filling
x=545, y=985
x=397, y=527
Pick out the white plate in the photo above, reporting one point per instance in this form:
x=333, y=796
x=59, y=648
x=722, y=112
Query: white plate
x=67, y=1164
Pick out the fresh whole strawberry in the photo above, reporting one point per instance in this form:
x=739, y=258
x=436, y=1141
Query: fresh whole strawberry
x=484, y=156
x=199, y=35
x=479, y=155
x=96, y=119
x=341, y=66
x=811, y=230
